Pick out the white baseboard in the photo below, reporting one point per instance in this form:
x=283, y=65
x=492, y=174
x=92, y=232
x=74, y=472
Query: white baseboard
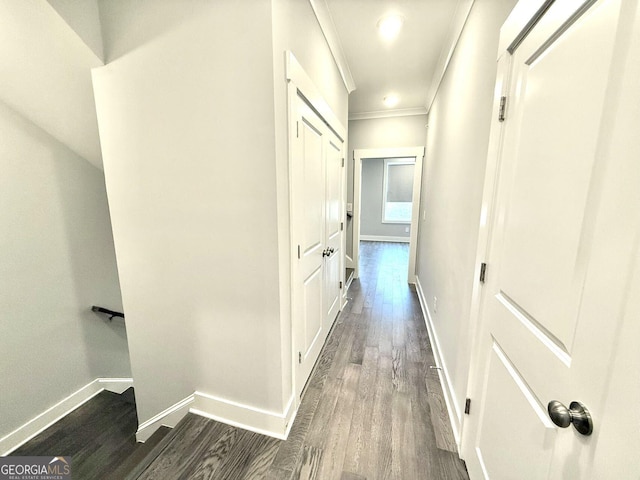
x=168, y=417
x=273, y=424
x=115, y=385
x=380, y=238
x=44, y=420
x=455, y=414
x=225, y=411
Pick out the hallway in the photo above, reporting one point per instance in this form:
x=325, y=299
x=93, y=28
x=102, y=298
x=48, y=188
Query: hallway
x=372, y=408
x=372, y=392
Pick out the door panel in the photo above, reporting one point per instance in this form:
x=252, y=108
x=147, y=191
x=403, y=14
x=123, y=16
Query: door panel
x=537, y=334
x=332, y=289
x=561, y=95
x=313, y=192
x=313, y=328
x=333, y=240
x=334, y=188
x=521, y=341
x=308, y=213
x=508, y=397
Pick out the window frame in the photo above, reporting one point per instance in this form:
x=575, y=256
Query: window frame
x=385, y=170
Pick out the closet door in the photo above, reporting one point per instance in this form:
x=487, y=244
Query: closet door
x=333, y=229
x=317, y=174
x=308, y=214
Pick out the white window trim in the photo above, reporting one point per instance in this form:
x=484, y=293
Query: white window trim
x=387, y=162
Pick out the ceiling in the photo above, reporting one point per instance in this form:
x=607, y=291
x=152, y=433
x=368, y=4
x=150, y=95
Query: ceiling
x=409, y=66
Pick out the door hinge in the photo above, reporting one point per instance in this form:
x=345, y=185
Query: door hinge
x=299, y=357
x=343, y=161
x=341, y=225
x=298, y=252
x=467, y=406
x=483, y=272
x=297, y=129
x=340, y=285
x=502, y=109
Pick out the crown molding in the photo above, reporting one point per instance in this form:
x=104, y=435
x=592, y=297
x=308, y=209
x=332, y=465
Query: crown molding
x=402, y=112
x=323, y=15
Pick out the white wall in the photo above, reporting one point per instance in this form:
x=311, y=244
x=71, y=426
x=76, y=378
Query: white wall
x=186, y=116
x=457, y=141
x=84, y=18
x=372, y=202
x=45, y=72
x=296, y=29
x=406, y=131
x=56, y=260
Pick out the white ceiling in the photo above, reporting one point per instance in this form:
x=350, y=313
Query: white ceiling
x=410, y=65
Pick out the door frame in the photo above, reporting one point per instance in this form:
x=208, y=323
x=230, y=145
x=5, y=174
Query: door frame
x=361, y=154
x=299, y=83
x=518, y=22
x=487, y=220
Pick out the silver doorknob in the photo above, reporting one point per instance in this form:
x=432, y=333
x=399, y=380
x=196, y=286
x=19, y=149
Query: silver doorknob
x=577, y=414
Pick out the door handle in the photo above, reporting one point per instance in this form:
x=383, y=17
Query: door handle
x=327, y=252
x=577, y=414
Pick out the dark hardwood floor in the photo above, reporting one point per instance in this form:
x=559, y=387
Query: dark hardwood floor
x=97, y=435
x=372, y=408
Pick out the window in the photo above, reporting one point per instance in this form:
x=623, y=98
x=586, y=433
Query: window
x=397, y=190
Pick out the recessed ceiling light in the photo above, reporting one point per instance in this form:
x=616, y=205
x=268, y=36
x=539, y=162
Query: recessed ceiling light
x=390, y=26
x=391, y=100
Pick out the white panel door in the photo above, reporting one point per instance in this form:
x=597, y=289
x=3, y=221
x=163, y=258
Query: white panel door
x=308, y=185
x=333, y=232
x=557, y=282
x=317, y=189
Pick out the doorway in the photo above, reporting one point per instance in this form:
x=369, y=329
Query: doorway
x=394, y=157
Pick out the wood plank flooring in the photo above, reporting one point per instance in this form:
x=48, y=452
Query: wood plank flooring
x=98, y=435
x=372, y=408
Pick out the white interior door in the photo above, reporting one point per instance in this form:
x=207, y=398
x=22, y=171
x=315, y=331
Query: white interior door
x=317, y=209
x=308, y=212
x=564, y=240
x=333, y=229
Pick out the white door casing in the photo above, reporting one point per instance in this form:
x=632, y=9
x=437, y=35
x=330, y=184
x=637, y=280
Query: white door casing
x=562, y=242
